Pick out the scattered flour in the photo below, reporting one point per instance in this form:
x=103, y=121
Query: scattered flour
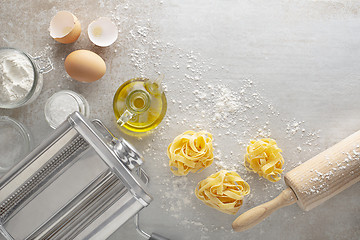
x=319, y=181
x=232, y=115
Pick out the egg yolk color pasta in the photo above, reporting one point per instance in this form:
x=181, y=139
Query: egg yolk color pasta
x=190, y=152
x=264, y=158
x=223, y=191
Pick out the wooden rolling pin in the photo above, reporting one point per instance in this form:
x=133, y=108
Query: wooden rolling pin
x=312, y=182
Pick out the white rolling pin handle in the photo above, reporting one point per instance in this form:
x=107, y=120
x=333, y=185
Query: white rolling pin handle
x=255, y=215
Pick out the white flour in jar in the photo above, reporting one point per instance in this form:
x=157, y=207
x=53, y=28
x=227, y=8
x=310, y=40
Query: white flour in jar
x=16, y=76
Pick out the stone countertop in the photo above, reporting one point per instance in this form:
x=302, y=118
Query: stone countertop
x=241, y=70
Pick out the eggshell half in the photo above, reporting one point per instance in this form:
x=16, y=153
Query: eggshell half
x=65, y=27
x=85, y=66
x=102, y=32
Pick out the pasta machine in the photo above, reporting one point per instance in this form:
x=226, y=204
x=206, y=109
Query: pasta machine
x=80, y=183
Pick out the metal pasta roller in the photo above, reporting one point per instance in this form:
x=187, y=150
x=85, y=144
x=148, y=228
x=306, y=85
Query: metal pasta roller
x=79, y=183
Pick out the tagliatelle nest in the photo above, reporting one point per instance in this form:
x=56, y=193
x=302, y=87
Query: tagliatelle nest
x=264, y=158
x=190, y=152
x=223, y=191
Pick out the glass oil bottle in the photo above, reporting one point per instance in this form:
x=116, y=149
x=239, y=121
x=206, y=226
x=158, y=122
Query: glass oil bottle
x=140, y=104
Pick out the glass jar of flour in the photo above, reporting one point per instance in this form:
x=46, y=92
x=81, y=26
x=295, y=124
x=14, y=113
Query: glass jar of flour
x=21, y=77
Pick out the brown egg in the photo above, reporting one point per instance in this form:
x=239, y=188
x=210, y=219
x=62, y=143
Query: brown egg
x=85, y=66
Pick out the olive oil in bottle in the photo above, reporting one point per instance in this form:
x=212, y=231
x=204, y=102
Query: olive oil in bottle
x=140, y=104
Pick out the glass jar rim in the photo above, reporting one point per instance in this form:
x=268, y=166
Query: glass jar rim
x=36, y=76
x=26, y=136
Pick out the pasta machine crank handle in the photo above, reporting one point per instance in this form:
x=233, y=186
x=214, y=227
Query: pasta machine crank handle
x=255, y=215
x=153, y=236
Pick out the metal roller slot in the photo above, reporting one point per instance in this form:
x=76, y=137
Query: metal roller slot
x=83, y=209
x=41, y=178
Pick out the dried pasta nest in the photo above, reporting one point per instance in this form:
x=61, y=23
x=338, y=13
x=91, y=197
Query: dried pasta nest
x=190, y=152
x=264, y=158
x=223, y=191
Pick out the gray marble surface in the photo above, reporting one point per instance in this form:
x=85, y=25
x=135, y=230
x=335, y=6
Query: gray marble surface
x=238, y=69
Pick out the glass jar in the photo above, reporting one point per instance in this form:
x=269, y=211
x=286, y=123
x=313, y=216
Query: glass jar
x=60, y=105
x=15, y=143
x=21, y=77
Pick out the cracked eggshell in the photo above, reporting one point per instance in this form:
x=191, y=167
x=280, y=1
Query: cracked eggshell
x=102, y=32
x=85, y=66
x=65, y=27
